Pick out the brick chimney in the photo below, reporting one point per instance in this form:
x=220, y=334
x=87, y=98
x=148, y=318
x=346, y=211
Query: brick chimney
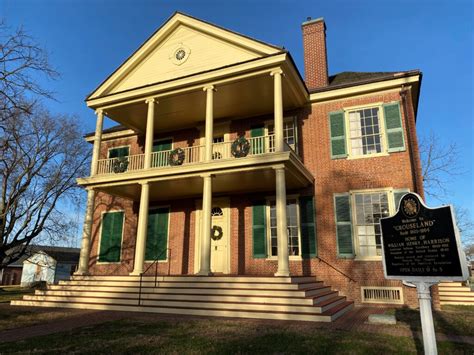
x=315, y=54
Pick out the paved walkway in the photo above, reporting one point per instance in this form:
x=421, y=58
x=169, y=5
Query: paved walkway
x=355, y=320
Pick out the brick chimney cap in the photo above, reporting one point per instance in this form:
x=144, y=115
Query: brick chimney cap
x=319, y=19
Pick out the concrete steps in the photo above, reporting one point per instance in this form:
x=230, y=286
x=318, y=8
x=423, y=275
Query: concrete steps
x=455, y=293
x=279, y=298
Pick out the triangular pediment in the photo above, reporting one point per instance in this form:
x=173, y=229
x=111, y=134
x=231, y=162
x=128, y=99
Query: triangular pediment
x=181, y=47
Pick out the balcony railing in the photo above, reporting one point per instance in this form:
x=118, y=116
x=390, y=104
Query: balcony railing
x=192, y=155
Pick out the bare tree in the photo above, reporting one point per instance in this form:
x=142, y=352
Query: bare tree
x=22, y=63
x=42, y=156
x=440, y=165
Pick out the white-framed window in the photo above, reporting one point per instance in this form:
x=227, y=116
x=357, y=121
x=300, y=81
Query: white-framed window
x=368, y=207
x=118, y=152
x=293, y=227
x=289, y=133
x=365, y=131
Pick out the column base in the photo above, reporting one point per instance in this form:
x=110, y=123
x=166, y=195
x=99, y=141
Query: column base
x=81, y=273
x=135, y=273
x=282, y=273
x=204, y=273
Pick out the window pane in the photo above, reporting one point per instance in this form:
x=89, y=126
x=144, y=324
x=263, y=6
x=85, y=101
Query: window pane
x=292, y=227
x=365, y=132
x=370, y=207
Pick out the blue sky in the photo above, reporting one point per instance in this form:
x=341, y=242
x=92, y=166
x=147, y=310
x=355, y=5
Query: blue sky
x=88, y=39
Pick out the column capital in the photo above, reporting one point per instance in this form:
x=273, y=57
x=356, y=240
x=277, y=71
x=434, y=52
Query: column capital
x=99, y=111
x=276, y=71
x=278, y=167
x=209, y=87
x=207, y=175
x=151, y=100
x=143, y=183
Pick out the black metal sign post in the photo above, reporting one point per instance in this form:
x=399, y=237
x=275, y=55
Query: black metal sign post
x=421, y=245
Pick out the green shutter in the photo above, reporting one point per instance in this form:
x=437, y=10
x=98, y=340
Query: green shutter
x=393, y=127
x=308, y=227
x=111, y=237
x=119, y=152
x=258, y=145
x=258, y=230
x=161, y=146
x=157, y=234
x=342, y=207
x=397, y=196
x=338, y=135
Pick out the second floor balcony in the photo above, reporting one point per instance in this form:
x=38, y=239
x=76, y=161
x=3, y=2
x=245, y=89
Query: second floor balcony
x=241, y=148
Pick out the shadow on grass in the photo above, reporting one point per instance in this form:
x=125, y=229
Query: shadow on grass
x=213, y=337
x=13, y=293
x=412, y=318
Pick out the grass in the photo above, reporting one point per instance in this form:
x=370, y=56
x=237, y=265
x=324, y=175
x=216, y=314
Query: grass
x=217, y=336
x=20, y=317
x=453, y=320
x=149, y=333
x=8, y=293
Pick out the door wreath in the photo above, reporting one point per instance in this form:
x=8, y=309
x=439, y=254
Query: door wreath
x=120, y=165
x=176, y=157
x=240, y=147
x=216, y=233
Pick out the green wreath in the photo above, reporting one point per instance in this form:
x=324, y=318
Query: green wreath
x=216, y=233
x=176, y=157
x=240, y=147
x=120, y=165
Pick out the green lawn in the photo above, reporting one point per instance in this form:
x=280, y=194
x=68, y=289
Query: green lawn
x=8, y=293
x=453, y=320
x=149, y=333
x=217, y=336
x=20, y=317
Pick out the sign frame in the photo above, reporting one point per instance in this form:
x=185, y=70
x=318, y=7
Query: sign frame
x=431, y=279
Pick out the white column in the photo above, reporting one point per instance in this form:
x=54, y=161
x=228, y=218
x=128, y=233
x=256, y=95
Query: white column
x=142, y=230
x=150, y=120
x=97, y=141
x=209, y=121
x=205, y=268
x=282, y=232
x=83, y=268
x=278, y=109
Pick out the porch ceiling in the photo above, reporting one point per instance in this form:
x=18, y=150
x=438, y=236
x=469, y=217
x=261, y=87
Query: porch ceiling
x=238, y=99
x=225, y=183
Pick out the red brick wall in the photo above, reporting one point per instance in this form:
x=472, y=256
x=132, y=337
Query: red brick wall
x=107, y=203
x=12, y=275
x=331, y=176
x=315, y=54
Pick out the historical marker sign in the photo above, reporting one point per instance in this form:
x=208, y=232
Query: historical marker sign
x=422, y=244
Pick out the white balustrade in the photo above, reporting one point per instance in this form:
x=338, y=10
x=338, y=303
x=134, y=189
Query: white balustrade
x=194, y=154
x=120, y=165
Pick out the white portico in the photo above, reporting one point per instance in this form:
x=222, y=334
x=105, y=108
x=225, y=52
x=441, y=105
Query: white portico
x=258, y=79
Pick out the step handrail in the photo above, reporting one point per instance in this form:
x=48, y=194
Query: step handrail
x=335, y=268
x=155, y=262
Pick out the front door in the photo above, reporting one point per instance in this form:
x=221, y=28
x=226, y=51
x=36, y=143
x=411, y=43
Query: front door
x=219, y=239
x=219, y=236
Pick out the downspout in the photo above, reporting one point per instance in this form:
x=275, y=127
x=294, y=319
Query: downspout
x=413, y=150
